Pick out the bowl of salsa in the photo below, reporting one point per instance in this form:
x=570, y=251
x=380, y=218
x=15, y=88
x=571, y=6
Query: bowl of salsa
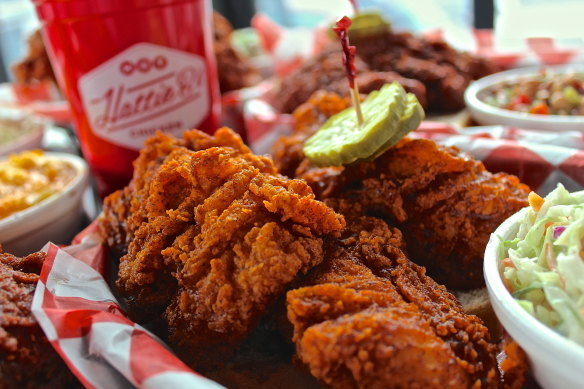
x=550, y=98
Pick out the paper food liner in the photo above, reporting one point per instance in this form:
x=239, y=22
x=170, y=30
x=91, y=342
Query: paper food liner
x=541, y=159
x=86, y=325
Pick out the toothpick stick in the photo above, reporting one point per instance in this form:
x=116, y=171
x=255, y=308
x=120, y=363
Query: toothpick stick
x=357, y=103
x=342, y=31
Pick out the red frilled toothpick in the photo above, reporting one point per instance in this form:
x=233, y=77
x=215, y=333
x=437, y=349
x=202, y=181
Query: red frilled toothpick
x=342, y=31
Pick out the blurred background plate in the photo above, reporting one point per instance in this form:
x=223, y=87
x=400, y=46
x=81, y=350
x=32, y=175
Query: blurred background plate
x=20, y=131
x=50, y=106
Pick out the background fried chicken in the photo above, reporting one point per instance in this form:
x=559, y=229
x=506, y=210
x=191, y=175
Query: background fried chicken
x=233, y=69
x=434, y=71
x=325, y=71
x=27, y=359
x=215, y=235
x=370, y=318
x=444, y=201
x=444, y=71
x=35, y=66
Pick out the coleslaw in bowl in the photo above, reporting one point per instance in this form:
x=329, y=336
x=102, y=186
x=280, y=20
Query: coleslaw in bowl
x=533, y=271
x=543, y=268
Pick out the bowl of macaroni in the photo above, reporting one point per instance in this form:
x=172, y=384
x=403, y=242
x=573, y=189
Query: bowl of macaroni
x=40, y=199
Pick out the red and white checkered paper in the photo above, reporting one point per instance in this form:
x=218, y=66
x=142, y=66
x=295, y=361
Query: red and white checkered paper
x=87, y=327
x=540, y=159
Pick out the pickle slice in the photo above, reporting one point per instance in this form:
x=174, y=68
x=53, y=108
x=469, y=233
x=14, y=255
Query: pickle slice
x=368, y=23
x=365, y=24
x=342, y=141
x=410, y=120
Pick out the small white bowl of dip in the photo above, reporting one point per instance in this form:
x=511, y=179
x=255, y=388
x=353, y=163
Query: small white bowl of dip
x=57, y=218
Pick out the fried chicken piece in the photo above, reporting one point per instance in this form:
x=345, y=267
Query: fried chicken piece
x=444, y=84
x=152, y=284
x=326, y=72
x=444, y=71
x=233, y=69
x=370, y=318
x=27, y=359
x=122, y=209
x=35, y=67
x=215, y=237
x=445, y=202
x=318, y=71
x=435, y=72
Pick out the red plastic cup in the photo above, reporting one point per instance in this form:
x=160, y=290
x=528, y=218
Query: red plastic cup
x=129, y=68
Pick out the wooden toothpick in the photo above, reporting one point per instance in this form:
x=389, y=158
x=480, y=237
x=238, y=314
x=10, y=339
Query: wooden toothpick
x=342, y=31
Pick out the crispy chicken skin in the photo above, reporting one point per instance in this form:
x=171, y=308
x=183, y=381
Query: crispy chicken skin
x=215, y=236
x=446, y=204
x=122, y=209
x=27, y=359
x=370, y=318
x=444, y=201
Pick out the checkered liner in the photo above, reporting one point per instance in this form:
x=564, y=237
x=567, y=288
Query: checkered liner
x=540, y=159
x=87, y=327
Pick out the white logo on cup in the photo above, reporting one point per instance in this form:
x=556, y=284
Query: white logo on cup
x=143, y=89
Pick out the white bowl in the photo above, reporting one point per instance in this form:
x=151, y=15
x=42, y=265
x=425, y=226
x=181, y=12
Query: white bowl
x=486, y=114
x=556, y=361
x=56, y=219
x=32, y=128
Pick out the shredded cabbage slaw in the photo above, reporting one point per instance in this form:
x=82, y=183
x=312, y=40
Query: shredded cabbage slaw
x=542, y=266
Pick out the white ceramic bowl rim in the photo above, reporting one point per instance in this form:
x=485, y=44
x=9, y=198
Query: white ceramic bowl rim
x=473, y=92
x=550, y=342
x=9, y=225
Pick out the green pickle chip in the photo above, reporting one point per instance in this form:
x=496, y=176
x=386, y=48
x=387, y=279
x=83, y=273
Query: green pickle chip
x=410, y=120
x=367, y=24
x=388, y=115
